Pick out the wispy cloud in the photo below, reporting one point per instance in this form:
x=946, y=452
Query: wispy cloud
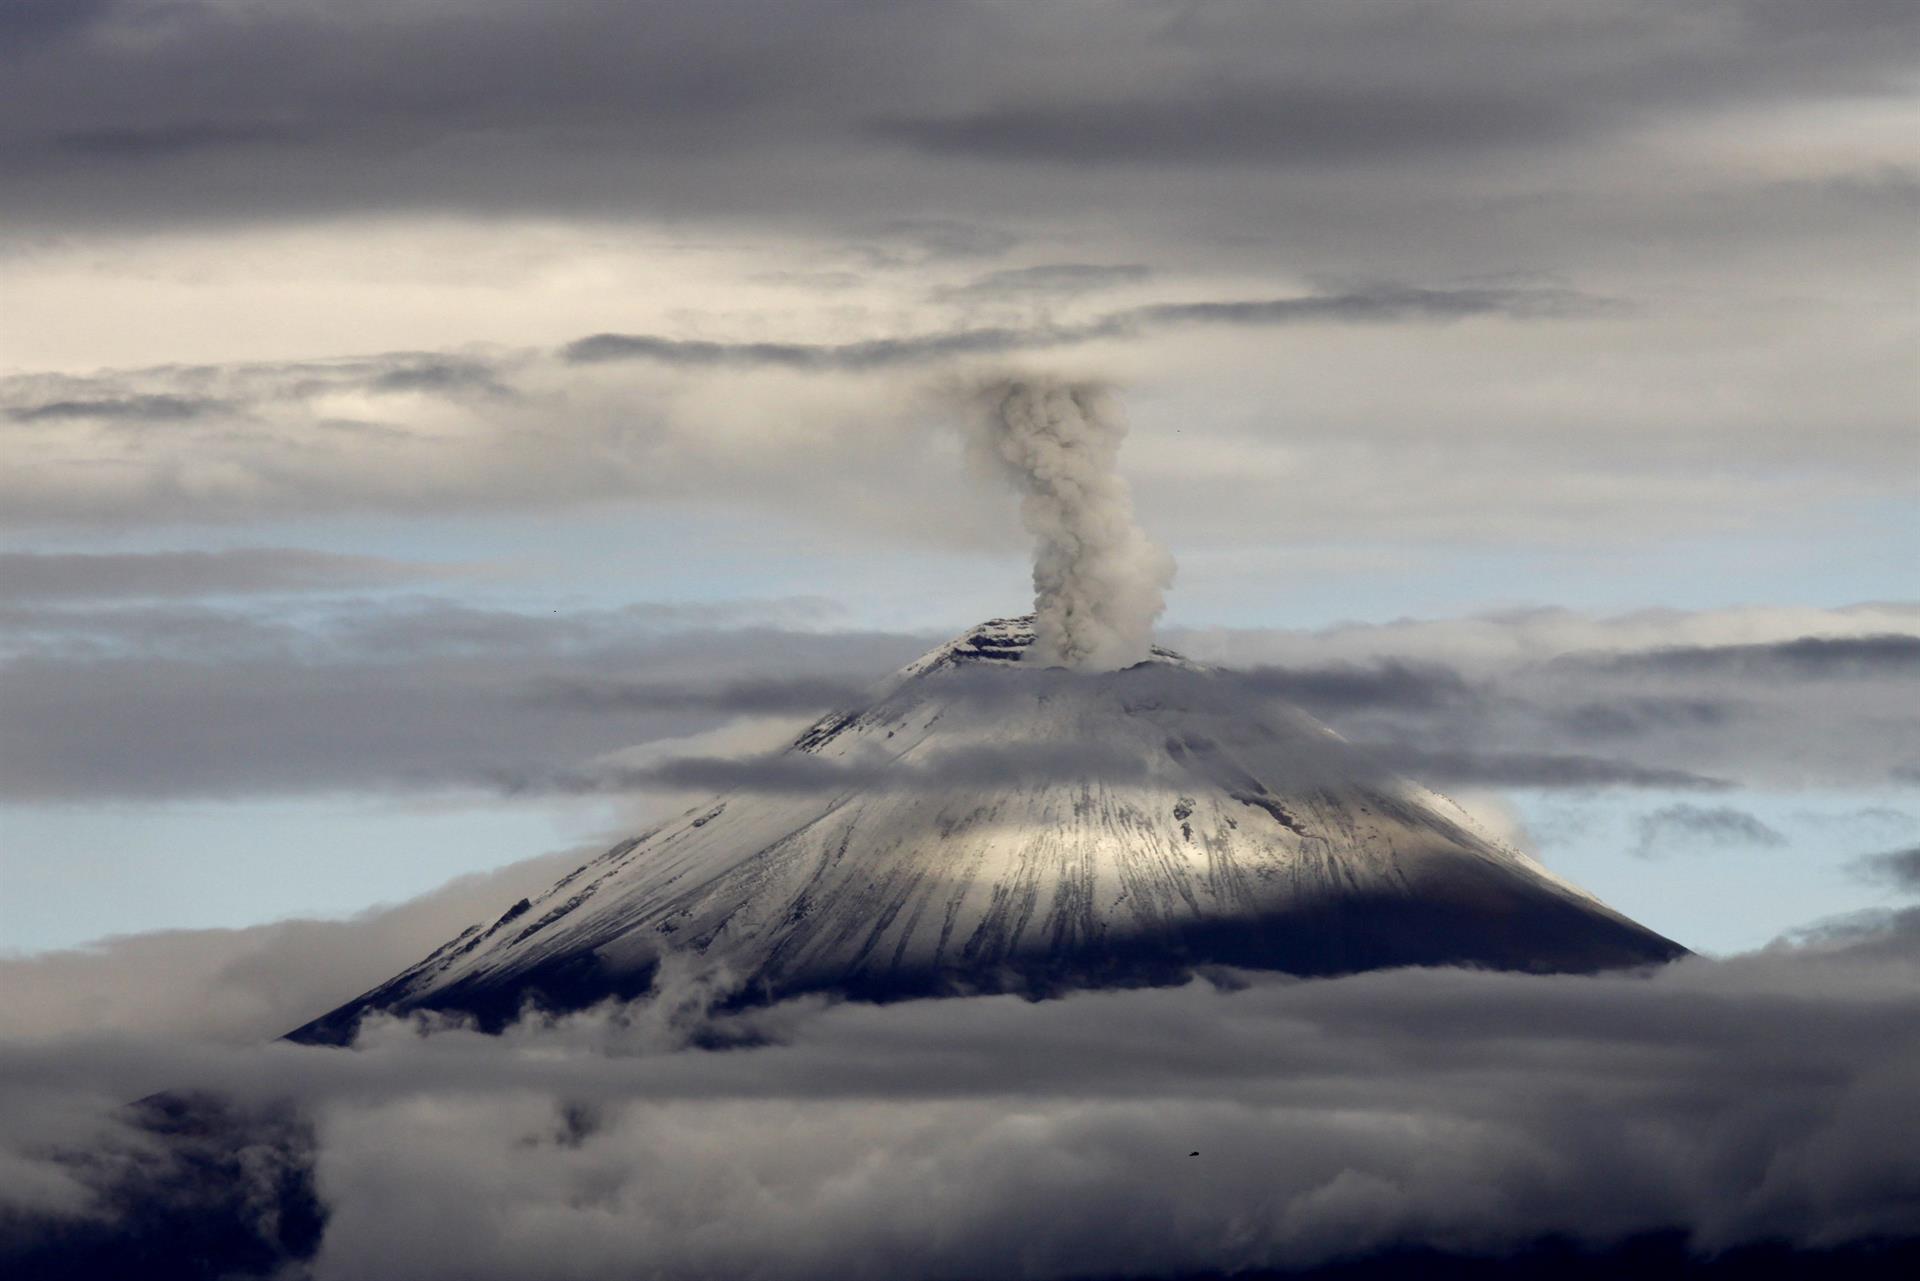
x=1680, y=827
x=47, y=576
x=1898, y=869
x=1387, y=304
x=115, y=659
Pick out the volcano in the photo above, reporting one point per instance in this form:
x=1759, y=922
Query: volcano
x=987, y=824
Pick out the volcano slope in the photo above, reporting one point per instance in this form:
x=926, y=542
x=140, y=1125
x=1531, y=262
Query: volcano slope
x=987, y=825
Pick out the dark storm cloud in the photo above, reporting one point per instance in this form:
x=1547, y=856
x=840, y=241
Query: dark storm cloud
x=49, y=576
x=1678, y=827
x=1897, y=868
x=282, y=107
x=1764, y=1097
x=32, y=20
x=1280, y=125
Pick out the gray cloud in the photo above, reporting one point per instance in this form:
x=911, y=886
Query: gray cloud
x=751, y=134
x=1803, y=710
x=34, y=20
x=1638, y=715
x=873, y=354
x=435, y=373
x=1762, y=1098
x=152, y=409
x=246, y=986
x=1872, y=822
x=109, y=690
x=1056, y=279
x=981, y=767
x=618, y=105
x=1534, y=769
x=1280, y=125
x=654, y=421
x=764, y=696
x=167, y=141
x=1897, y=868
x=153, y=575
x=177, y=700
x=1823, y=657
x=183, y=393
x=1347, y=687
x=1382, y=304
x=1722, y=826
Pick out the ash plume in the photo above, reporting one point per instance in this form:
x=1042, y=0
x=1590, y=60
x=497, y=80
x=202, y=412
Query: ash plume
x=1098, y=581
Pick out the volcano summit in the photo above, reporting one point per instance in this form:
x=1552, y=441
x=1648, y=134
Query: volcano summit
x=985, y=824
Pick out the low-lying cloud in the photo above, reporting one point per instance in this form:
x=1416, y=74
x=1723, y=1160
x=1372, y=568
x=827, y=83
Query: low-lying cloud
x=1015, y=764
x=1614, y=696
x=1762, y=1098
x=48, y=576
x=1534, y=769
x=1039, y=764
x=411, y=693
x=171, y=699
x=249, y=985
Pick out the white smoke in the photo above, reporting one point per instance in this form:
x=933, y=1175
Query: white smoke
x=1098, y=582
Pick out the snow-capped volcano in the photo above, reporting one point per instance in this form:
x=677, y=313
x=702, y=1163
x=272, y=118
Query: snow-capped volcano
x=986, y=824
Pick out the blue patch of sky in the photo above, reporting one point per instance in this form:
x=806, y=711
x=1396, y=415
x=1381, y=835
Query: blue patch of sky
x=72, y=874
x=1723, y=894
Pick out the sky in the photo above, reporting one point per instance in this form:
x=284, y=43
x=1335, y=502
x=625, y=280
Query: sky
x=366, y=366
x=415, y=413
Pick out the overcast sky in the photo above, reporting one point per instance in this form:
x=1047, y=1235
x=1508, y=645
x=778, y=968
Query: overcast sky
x=405, y=403
x=438, y=436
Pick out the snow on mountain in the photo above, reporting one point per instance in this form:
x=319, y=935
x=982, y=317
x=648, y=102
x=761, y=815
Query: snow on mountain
x=985, y=824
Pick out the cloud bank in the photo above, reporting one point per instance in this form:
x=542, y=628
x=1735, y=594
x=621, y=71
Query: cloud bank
x=1761, y=1099
x=412, y=694
x=653, y=106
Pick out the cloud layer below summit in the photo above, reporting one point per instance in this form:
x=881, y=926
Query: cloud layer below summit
x=1760, y=1098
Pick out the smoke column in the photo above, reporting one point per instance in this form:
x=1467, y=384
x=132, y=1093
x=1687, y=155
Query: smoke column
x=1098, y=583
